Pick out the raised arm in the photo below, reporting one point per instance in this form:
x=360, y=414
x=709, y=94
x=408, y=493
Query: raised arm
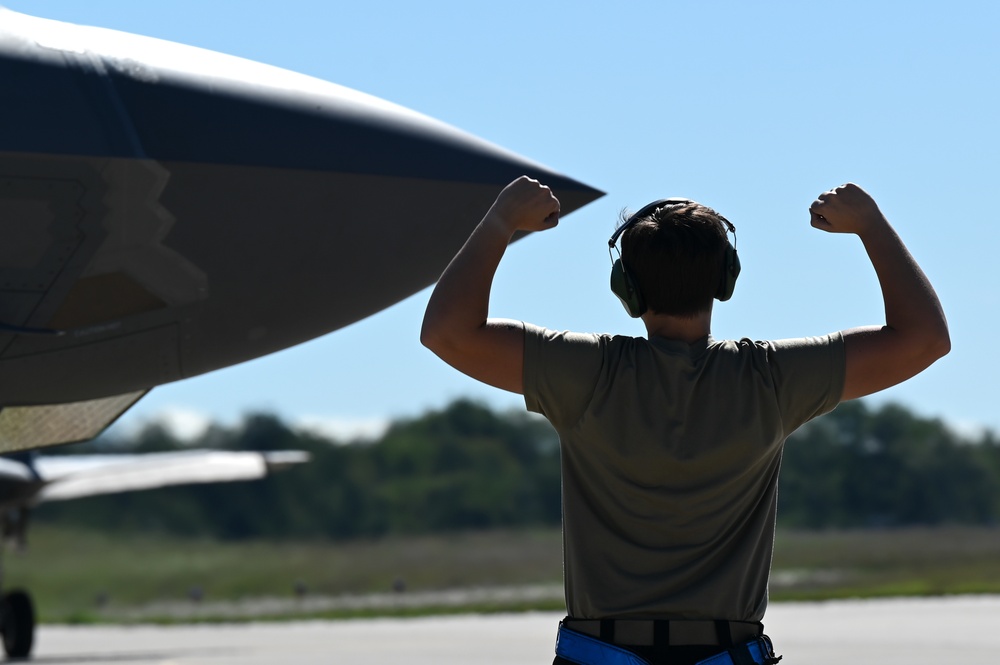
x=456, y=324
x=915, y=333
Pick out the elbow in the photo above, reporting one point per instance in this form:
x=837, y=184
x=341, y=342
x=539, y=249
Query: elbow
x=429, y=337
x=438, y=325
x=434, y=337
x=942, y=345
x=941, y=342
x=936, y=346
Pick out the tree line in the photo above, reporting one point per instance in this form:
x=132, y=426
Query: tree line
x=468, y=467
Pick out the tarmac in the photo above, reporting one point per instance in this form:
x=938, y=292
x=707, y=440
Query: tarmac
x=963, y=629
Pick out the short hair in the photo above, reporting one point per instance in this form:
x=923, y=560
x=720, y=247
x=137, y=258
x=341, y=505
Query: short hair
x=675, y=257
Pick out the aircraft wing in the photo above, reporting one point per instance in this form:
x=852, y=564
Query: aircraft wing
x=75, y=476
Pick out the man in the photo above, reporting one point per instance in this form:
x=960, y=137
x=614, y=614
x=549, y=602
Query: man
x=671, y=444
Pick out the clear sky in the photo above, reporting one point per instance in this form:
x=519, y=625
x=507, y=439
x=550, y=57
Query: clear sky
x=751, y=108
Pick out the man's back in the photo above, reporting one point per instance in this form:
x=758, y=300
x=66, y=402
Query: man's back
x=670, y=455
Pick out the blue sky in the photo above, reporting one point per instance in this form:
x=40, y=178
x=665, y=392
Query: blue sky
x=751, y=108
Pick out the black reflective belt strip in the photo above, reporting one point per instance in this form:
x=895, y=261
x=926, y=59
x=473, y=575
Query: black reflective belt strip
x=661, y=633
x=723, y=633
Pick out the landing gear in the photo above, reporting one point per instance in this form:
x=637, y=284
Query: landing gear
x=17, y=623
x=17, y=612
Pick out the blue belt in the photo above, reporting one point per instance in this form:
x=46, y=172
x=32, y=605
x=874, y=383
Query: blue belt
x=587, y=650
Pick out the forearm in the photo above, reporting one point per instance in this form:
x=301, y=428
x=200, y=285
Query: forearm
x=459, y=302
x=912, y=308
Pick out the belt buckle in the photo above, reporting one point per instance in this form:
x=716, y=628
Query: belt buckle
x=767, y=650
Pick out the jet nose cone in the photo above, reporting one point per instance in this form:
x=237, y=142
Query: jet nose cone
x=180, y=210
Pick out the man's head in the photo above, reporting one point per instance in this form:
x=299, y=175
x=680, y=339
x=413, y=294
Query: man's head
x=678, y=257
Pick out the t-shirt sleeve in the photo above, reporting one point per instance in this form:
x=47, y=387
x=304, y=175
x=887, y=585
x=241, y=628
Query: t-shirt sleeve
x=561, y=370
x=808, y=377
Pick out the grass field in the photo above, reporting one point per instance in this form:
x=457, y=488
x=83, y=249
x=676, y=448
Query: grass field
x=900, y=562
x=84, y=576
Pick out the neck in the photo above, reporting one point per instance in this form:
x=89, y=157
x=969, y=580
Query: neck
x=685, y=328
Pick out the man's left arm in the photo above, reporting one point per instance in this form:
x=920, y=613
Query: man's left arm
x=456, y=323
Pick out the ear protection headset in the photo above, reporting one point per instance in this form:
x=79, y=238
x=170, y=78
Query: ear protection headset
x=625, y=287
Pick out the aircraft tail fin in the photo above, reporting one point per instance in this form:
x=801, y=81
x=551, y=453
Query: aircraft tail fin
x=29, y=427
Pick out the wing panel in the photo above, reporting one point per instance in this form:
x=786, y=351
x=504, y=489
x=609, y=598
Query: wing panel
x=27, y=427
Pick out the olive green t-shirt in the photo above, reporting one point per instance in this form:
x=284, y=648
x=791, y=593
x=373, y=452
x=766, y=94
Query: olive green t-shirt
x=670, y=458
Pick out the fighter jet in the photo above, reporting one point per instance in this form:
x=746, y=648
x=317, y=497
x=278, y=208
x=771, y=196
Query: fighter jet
x=27, y=480
x=166, y=211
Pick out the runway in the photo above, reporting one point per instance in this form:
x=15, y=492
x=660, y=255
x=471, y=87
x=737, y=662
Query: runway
x=917, y=632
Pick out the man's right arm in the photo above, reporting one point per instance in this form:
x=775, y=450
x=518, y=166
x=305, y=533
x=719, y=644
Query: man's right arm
x=915, y=333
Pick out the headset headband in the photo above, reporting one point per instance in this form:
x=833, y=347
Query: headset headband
x=651, y=208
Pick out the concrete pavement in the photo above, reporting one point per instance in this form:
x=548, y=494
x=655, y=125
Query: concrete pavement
x=917, y=632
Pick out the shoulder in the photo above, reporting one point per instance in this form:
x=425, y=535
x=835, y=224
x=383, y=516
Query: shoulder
x=808, y=375
x=561, y=369
x=832, y=343
x=546, y=336
x=787, y=362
